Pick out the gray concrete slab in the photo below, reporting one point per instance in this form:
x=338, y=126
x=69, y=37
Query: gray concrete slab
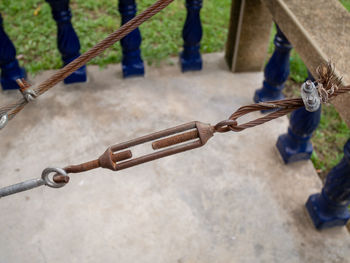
x=230, y=201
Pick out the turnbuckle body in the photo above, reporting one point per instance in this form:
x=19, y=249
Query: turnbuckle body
x=167, y=142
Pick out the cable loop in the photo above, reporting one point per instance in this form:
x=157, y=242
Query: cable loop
x=225, y=126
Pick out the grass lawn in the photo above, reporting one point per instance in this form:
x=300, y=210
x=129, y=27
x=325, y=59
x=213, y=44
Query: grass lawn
x=33, y=31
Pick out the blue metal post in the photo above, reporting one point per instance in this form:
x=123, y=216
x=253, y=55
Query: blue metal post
x=330, y=207
x=10, y=69
x=295, y=145
x=276, y=70
x=190, y=57
x=67, y=40
x=132, y=62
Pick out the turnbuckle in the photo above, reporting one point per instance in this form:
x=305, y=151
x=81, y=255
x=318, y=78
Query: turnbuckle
x=167, y=142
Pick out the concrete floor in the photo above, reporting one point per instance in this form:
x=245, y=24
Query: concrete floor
x=231, y=201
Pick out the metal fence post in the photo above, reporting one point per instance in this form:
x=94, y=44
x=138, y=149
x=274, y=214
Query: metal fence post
x=67, y=40
x=132, y=63
x=276, y=71
x=295, y=145
x=10, y=69
x=330, y=207
x=190, y=57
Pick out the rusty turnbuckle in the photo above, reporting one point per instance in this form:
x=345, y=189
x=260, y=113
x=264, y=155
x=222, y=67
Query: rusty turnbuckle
x=164, y=143
x=180, y=138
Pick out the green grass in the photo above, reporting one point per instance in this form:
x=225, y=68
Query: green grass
x=346, y=4
x=329, y=140
x=35, y=35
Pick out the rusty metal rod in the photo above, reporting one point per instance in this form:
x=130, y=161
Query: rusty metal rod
x=116, y=157
x=121, y=156
x=154, y=136
x=81, y=167
x=61, y=178
x=159, y=154
x=183, y=137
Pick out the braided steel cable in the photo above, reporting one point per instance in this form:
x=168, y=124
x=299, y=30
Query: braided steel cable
x=280, y=107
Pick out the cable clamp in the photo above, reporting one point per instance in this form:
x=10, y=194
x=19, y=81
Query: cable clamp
x=4, y=119
x=28, y=93
x=310, y=96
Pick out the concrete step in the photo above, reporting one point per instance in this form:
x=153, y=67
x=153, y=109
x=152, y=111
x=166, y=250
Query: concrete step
x=231, y=201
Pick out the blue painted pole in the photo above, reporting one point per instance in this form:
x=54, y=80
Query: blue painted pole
x=190, y=57
x=67, y=40
x=295, y=145
x=10, y=69
x=330, y=207
x=132, y=63
x=276, y=71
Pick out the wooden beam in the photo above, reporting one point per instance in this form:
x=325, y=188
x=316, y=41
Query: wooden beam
x=248, y=37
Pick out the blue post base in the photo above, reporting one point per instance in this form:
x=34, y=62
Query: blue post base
x=193, y=63
x=67, y=40
x=77, y=76
x=268, y=93
x=324, y=213
x=9, y=73
x=133, y=66
x=294, y=148
x=295, y=145
x=134, y=70
x=190, y=57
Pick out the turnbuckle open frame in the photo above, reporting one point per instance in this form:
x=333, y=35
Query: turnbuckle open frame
x=197, y=133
